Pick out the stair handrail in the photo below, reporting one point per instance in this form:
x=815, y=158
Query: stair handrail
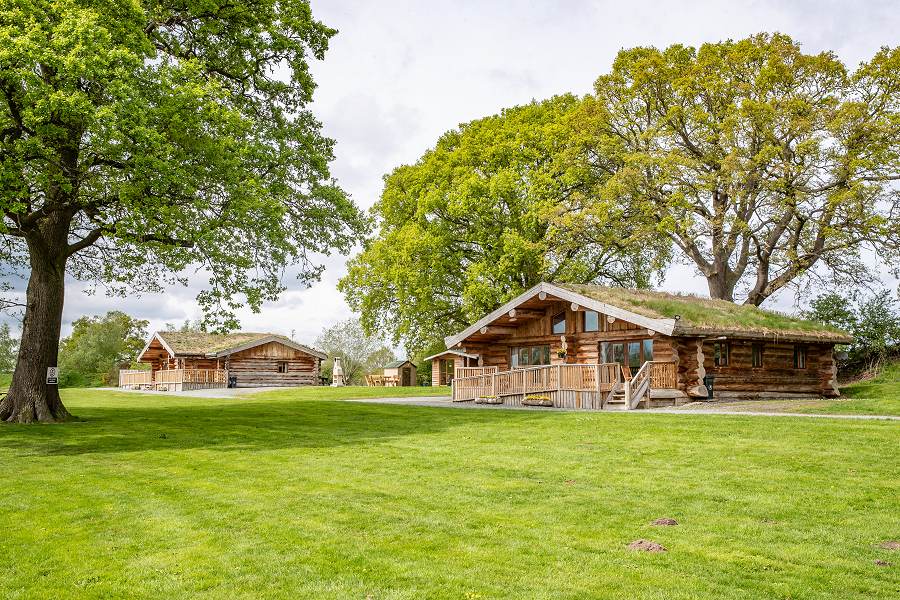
x=638, y=387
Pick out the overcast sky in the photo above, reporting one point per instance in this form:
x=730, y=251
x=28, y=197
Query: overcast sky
x=398, y=74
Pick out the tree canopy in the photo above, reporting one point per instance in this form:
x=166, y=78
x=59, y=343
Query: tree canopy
x=762, y=166
x=760, y=162
x=485, y=214
x=142, y=140
x=98, y=347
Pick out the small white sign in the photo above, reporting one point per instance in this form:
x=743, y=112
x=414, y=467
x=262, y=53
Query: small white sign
x=52, y=375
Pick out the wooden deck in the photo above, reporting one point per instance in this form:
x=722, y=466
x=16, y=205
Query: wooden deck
x=174, y=379
x=582, y=386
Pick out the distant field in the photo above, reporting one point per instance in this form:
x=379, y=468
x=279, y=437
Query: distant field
x=280, y=495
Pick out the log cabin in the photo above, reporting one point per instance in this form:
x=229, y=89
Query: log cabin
x=588, y=346
x=181, y=360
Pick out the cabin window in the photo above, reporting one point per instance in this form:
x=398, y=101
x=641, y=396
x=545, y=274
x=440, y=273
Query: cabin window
x=529, y=355
x=799, y=357
x=282, y=367
x=559, y=323
x=591, y=321
x=447, y=369
x=720, y=354
x=631, y=354
x=757, y=356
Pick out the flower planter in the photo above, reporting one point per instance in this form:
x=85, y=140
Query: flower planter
x=488, y=400
x=537, y=401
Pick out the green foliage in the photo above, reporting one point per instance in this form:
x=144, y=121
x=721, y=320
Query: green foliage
x=359, y=352
x=285, y=496
x=159, y=135
x=873, y=320
x=9, y=349
x=761, y=163
x=484, y=215
x=98, y=347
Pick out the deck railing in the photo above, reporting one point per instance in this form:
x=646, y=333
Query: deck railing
x=663, y=375
x=174, y=376
x=601, y=378
x=472, y=371
x=129, y=377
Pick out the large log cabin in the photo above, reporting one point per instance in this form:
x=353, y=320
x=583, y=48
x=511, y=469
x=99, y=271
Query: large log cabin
x=585, y=346
x=194, y=360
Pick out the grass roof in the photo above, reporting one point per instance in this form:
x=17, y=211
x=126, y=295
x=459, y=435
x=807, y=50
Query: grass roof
x=707, y=315
x=201, y=343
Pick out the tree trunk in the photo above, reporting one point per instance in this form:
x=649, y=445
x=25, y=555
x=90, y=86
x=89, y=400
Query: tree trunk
x=719, y=287
x=30, y=398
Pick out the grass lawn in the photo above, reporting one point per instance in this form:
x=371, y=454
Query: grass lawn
x=282, y=496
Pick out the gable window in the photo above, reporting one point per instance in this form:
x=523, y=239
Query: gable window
x=720, y=354
x=757, y=352
x=559, y=323
x=591, y=321
x=527, y=356
x=282, y=367
x=799, y=357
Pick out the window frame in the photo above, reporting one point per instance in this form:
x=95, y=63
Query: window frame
x=801, y=357
x=584, y=326
x=554, y=323
x=542, y=350
x=721, y=349
x=756, y=356
x=282, y=367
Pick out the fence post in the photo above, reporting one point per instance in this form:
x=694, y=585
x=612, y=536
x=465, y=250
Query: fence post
x=627, y=395
x=598, y=397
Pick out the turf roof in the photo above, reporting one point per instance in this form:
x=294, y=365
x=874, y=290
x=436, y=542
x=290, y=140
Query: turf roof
x=708, y=315
x=202, y=343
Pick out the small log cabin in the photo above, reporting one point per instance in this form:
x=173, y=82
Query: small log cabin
x=586, y=346
x=193, y=360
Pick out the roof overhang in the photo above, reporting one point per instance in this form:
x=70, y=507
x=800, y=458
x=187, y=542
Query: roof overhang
x=763, y=335
x=664, y=326
x=453, y=352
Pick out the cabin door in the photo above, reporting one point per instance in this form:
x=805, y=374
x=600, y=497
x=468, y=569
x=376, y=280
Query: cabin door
x=406, y=377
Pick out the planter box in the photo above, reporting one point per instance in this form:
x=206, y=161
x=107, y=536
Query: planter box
x=488, y=400
x=537, y=401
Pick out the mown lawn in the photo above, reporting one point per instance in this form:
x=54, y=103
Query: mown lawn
x=277, y=497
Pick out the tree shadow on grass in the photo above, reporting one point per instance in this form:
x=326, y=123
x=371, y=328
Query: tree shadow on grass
x=238, y=426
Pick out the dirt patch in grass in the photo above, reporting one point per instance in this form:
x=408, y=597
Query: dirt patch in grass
x=646, y=546
x=665, y=522
x=889, y=545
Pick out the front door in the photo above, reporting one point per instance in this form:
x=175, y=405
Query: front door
x=406, y=378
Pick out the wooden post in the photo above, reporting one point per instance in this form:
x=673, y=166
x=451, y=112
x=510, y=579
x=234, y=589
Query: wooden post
x=598, y=398
x=627, y=394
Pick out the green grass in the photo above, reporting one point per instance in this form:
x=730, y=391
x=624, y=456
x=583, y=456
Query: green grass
x=879, y=395
x=5, y=380
x=155, y=496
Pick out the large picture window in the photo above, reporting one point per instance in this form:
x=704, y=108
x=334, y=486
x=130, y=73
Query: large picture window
x=632, y=354
x=527, y=356
x=559, y=323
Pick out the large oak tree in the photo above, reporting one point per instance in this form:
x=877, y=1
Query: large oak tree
x=142, y=138
x=763, y=164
